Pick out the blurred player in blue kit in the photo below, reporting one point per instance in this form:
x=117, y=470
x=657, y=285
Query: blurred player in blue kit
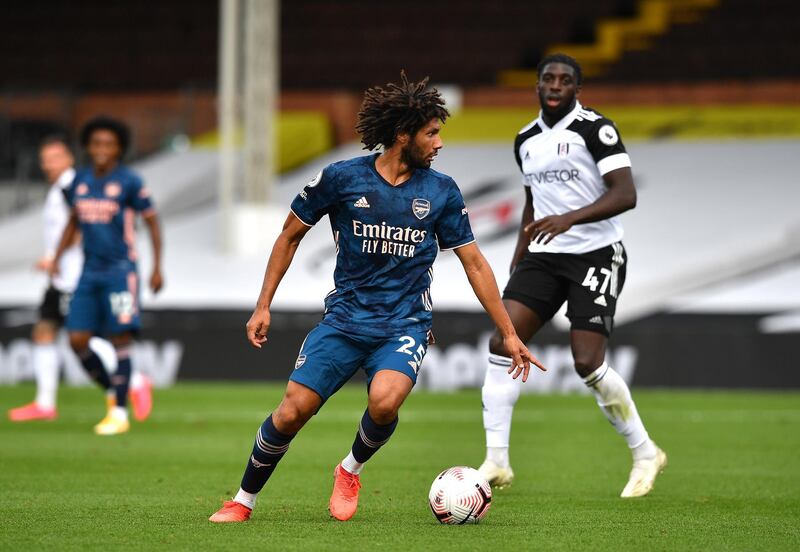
x=390, y=214
x=105, y=199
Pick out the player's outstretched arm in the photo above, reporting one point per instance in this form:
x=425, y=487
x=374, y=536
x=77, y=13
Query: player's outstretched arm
x=619, y=197
x=481, y=278
x=523, y=238
x=156, y=279
x=68, y=238
x=279, y=260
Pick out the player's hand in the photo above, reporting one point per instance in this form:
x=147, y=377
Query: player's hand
x=257, y=327
x=52, y=270
x=44, y=264
x=545, y=229
x=521, y=358
x=156, y=280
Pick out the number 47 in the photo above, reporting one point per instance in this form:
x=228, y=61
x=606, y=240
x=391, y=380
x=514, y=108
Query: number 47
x=591, y=280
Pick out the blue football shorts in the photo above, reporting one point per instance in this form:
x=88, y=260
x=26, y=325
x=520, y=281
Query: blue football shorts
x=105, y=302
x=329, y=357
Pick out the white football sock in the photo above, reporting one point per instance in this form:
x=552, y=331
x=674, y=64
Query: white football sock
x=45, y=366
x=645, y=451
x=137, y=380
x=245, y=498
x=499, y=393
x=106, y=352
x=614, y=399
x=119, y=412
x=351, y=464
x=498, y=455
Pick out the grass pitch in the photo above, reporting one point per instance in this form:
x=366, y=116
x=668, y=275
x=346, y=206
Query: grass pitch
x=733, y=481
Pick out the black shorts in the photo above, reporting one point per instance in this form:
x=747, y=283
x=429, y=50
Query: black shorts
x=55, y=306
x=590, y=283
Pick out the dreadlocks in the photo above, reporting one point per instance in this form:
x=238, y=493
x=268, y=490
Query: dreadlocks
x=407, y=107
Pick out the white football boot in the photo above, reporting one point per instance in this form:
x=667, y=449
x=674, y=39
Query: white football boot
x=496, y=475
x=643, y=475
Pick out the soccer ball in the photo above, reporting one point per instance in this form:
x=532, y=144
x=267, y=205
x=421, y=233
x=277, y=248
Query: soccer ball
x=460, y=495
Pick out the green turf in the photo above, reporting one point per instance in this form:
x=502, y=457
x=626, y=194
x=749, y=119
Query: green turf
x=733, y=481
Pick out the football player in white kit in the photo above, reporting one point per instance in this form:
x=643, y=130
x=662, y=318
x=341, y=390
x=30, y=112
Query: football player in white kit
x=57, y=162
x=577, y=180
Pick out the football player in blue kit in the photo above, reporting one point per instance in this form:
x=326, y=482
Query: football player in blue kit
x=105, y=198
x=390, y=214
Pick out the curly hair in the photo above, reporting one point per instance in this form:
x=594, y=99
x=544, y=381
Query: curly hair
x=405, y=107
x=102, y=122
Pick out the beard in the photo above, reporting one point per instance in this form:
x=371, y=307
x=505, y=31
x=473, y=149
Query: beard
x=559, y=112
x=414, y=157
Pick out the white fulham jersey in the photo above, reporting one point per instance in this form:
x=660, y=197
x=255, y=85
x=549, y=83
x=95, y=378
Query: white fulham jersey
x=564, y=167
x=55, y=218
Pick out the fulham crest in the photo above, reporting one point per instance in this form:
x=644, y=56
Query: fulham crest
x=421, y=208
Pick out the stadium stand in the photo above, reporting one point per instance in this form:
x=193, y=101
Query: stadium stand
x=738, y=39
x=128, y=45
x=97, y=45
x=358, y=43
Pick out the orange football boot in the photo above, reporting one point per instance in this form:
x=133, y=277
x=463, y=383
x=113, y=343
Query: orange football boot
x=142, y=399
x=344, y=499
x=31, y=412
x=231, y=512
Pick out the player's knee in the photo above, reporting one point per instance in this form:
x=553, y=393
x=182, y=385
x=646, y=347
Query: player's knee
x=79, y=342
x=43, y=333
x=290, y=416
x=121, y=340
x=496, y=346
x=383, y=410
x=587, y=363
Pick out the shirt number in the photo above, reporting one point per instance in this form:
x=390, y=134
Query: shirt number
x=121, y=303
x=407, y=346
x=591, y=281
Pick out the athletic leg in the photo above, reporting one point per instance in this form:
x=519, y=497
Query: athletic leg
x=79, y=342
x=597, y=279
x=387, y=391
x=298, y=405
x=116, y=420
x=118, y=299
x=500, y=392
x=45, y=363
x=391, y=367
x=327, y=359
x=533, y=295
x=84, y=320
x=45, y=368
x=615, y=400
x=121, y=379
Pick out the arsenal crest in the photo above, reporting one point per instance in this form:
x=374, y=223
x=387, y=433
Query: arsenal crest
x=421, y=208
x=113, y=189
